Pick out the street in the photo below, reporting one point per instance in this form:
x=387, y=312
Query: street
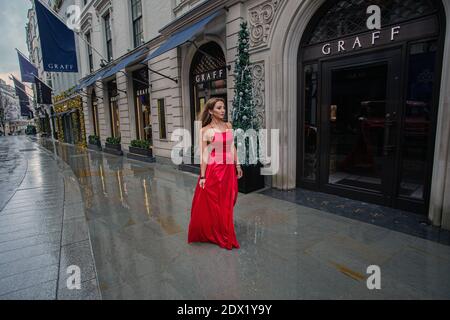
x=124, y=223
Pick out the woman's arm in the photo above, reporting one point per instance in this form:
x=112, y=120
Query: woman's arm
x=233, y=147
x=236, y=159
x=204, y=156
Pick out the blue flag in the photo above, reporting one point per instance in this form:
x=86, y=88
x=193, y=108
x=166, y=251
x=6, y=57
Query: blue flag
x=43, y=92
x=27, y=70
x=57, y=42
x=24, y=102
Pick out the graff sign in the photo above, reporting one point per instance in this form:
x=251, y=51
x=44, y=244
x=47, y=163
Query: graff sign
x=407, y=31
x=357, y=42
x=213, y=75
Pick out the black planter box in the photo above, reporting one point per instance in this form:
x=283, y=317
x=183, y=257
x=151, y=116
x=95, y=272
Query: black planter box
x=95, y=147
x=192, y=168
x=252, y=179
x=141, y=154
x=115, y=149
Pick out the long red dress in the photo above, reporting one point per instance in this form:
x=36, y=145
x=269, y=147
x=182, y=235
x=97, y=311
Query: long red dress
x=212, y=208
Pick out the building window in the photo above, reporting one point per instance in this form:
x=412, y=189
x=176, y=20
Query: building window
x=95, y=120
x=418, y=113
x=162, y=119
x=310, y=148
x=138, y=28
x=49, y=81
x=89, y=51
x=346, y=17
x=108, y=36
x=142, y=105
x=114, y=109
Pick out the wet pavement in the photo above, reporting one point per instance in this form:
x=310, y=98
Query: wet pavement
x=42, y=226
x=137, y=217
x=405, y=222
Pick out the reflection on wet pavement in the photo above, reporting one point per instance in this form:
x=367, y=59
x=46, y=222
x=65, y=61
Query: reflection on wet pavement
x=138, y=216
x=42, y=226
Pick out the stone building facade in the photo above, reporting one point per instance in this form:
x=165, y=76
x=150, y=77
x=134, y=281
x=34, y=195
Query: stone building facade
x=361, y=113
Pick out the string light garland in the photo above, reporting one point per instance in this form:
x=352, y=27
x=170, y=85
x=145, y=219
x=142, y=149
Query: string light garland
x=68, y=101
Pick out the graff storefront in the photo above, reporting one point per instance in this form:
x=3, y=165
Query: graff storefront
x=367, y=102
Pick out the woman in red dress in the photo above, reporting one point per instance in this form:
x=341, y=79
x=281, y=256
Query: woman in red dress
x=217, y=188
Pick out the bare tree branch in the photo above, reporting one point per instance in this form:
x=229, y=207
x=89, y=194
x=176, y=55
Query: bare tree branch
x=5, y=108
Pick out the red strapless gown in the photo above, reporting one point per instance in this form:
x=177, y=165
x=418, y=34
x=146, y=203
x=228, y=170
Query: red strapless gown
x=212, y=208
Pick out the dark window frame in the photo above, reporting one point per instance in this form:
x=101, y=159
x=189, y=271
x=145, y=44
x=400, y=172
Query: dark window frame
x=162, y=119
x=89, y=51
x=108, y=36
x=137, y=22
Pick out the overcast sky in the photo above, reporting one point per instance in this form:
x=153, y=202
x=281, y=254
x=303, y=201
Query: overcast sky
x=13, y=18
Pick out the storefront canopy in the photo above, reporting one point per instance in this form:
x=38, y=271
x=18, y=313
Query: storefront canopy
x=125, y=62
x=62, y=114
x=111, y=70
x=86, y=82
x=182, y=36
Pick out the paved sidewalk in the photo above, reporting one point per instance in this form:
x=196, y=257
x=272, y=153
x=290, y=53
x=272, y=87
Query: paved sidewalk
x=138, y=216
x=43, y=229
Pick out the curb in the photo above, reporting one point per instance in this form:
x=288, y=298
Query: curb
x=75, y=238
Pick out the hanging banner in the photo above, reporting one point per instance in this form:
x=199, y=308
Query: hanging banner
x=57, y=41
x=24, y=102
x=27, y=70
x=43, y=92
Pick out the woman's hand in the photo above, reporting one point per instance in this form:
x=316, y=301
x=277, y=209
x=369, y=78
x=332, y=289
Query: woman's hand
x=202, y=183
x=240, y=173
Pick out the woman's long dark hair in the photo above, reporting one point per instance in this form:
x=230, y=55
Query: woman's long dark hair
x=206, y=117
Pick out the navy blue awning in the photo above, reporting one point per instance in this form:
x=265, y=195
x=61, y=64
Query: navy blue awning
x=111, y=70
x=182, y=36
x=91, y=79
x=125, y=62
x=82, y=85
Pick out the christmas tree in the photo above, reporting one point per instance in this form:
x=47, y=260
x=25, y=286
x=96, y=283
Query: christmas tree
x=244, y=113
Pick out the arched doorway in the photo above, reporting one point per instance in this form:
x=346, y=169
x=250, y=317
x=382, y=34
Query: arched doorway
x=208, y=78
x=368, y=101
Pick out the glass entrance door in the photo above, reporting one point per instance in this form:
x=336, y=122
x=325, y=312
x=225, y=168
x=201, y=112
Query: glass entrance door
x=359, y=111
x=68, y=135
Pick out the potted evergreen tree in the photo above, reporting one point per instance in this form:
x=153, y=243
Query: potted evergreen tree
x=244, y=114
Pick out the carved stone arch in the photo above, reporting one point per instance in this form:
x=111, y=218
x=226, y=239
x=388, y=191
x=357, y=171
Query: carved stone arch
x=186, y=62
x=192, y=50
x=281, y=110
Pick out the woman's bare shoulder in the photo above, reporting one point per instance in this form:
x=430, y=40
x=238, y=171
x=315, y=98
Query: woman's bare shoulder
x=206, y=129
x=207, y=132
x=229, y=125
